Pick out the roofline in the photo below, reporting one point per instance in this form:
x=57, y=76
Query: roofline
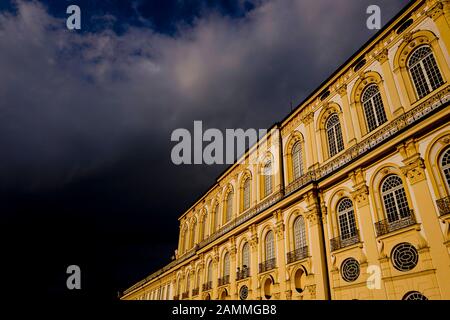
x=365, y=47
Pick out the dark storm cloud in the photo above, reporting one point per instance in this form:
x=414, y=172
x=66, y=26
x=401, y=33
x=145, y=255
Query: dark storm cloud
x=93, y=112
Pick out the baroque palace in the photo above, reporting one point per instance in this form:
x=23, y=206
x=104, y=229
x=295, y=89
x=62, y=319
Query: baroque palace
x=348, y=197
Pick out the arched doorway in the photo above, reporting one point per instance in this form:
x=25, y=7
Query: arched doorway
x=267, y=288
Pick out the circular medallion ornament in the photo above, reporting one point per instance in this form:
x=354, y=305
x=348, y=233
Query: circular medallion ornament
x=350, y=270
x=404, y=256
x=243, y=293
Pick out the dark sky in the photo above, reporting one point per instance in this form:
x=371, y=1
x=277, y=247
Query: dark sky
x=86, y=117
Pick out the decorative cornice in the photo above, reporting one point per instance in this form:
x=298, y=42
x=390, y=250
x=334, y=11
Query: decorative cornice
x=383, y=56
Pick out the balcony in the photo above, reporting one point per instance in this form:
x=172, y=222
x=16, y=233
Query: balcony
x=242, y=274
x=339, y=242
x=297, y=254
x=267, y=265
x=385, y=226
x=224, y=280
x=195, y=292
x=443, y=205
x=207, y=286
x=184, y=295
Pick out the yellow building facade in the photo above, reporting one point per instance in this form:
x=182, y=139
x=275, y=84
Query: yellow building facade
x=348, y=197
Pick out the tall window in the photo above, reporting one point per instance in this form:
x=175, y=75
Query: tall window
x=194, y=229
x=188, y=283
x=229, y=212
x=246, y=255
x=216, y=217
x=209, y=275
x=297, y=161
x=197, y=281
x=205, y=219
x=270, y=246
x=445, y=166
x=373, y=107
x=346, y=217
x=424, y=71
x=334, y=135
x=247, y=193
x=299, y=233
x=394, y=198
x=186, y=239
x=226, y=265
x=268, y=178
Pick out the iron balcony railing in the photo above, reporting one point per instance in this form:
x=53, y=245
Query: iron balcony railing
x=443, y=205
x=207, y=286
x=243, y=274
x=185, y=295
x=387, y=225
x=341, y=242
x=195, y=292
x=297, y=254
x=267, y=265
x=224, y=280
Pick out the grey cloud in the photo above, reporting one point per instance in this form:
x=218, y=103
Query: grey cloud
x=72, y=102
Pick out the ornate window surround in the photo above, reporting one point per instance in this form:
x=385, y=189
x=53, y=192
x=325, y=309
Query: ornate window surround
x=411, y=41
x=296, y=137
x=366, y=79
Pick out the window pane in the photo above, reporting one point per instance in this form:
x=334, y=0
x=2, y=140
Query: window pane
x=373, y=107
x=247, y=194
x=268, y=179
x=445, y=165
x=347, y=222
x=297, y=163
x=270, y=250
x=299, y=233
x=229, y=206
x=394, y=198
x=246, y=256
x=424, y=71
x=334, y=135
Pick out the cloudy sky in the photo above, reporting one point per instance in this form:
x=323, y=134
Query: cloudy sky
x=86, y=117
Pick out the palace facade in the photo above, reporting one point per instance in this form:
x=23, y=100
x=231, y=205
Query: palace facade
x=348, y=197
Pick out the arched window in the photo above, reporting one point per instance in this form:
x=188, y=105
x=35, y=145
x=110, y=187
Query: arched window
x=297, y=161
x=445, y=167
x=424, y=71
x=226, y=265
x=210, y=270
x=179, y=287
x=188, y=283
x=246, y=195
x=229, y=212
x=186, y=239
x=197, y=281
x=373, y=107
x=394, y=198
x=299, y=233
x=194, y=230
x=216, y=217
x=268, y=178
x=246, y=255
x=346, y=217
x=270, y=246
x=204, y=230
x=334, y=135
